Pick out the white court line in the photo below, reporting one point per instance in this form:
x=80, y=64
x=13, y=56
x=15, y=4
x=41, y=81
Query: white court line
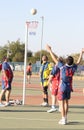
x=36, y=119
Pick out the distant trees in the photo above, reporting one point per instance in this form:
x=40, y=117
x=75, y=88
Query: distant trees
x=15, y=52
x=75, y=56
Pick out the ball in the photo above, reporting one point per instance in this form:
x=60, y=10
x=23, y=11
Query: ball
x=33, y=11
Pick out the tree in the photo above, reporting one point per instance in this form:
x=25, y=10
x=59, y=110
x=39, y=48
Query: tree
x=75, y=56
x=29, y=53
x=18, y=57
x=43, y=52
x=17, y=50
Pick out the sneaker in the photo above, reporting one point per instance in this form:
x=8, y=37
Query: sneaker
x=7, y=104
x=2, y=105
x=44, y=104
x=52, y=110
x=18, y=102
x=63, y=122
x=66, y=119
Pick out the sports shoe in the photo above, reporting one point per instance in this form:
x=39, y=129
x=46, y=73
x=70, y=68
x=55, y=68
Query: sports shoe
x=7, y=104
x=63, y=121
x=2, y=105
x=52, y=110
x=18, y=102
x=44, y=104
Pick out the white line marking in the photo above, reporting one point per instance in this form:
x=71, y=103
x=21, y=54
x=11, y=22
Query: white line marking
x=36, y=119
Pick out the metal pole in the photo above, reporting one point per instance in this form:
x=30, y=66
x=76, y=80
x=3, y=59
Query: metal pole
x=25, y=58
x=41, y=37
x=25, y=62
x=8, y=51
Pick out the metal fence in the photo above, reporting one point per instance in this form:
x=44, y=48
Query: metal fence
x=19, y=66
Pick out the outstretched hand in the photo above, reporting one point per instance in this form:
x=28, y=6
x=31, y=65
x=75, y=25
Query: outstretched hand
x=48, y=48
x=82, y=50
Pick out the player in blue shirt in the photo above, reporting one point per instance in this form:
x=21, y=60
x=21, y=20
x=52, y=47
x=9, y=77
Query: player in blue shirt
x=65, y=84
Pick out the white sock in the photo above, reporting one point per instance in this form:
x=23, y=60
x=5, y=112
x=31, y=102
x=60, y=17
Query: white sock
x=53, y=106
x=63, y=118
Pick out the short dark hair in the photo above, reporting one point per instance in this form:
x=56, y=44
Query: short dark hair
x=61, y=59
x=4, y=58
x=70, y=60
x=30, y=63
x=46, y=57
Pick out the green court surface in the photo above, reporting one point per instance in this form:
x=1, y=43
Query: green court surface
x=36, y=117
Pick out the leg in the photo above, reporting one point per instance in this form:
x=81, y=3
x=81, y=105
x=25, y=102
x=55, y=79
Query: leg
x=54, y=92
x=68, y=95
x=29, y=79
x=64, y=111
x=63, y=97
x=1, y=95
x=53, y=100
x=8, y=92
x=60, y=107
x=63, y=120
x=53, y=108
x=45, y=96
x=7, y=95
x=66, y=108
x=2, y=91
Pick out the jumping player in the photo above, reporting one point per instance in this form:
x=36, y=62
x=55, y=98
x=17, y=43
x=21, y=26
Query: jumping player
x=65, y=86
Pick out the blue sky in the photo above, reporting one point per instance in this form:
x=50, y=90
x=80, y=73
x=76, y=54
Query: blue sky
x=63, y=24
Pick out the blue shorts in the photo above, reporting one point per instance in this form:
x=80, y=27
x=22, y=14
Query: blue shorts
x=64, y=95
x=6, y=85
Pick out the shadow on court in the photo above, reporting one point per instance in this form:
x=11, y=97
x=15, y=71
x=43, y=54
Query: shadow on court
x=36, y=118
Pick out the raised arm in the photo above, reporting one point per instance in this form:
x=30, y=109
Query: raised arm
x=80, y=56
x=54, y=56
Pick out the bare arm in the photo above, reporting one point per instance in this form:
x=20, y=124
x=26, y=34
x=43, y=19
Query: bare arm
x=80, y=56
x=50, y=80
x=54, y=57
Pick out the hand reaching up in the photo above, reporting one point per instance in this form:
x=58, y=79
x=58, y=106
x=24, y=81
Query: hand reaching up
x=48, y=48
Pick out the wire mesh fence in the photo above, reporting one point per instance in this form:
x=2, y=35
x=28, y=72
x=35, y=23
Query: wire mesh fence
x=33, y=91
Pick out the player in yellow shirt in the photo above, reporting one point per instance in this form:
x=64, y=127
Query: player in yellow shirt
x=45, y=70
